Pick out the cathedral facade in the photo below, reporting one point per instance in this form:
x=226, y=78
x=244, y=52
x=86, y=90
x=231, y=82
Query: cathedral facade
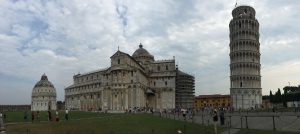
x=136, y=81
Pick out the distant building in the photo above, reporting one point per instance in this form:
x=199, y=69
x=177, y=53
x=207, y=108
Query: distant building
x=215, y=100
x=291, y=89
x=266, y=103
x=131, y=82
x=43, y=96
x=60, y=105
x=245, y=78
x=292, y=96
x=14, y=108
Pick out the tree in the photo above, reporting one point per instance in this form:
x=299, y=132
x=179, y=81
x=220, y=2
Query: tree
x=271, y=96
x=278, y=97
x=279, y=92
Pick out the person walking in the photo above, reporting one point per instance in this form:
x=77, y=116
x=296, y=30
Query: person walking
x=32, y=116
x=4, y=116
x=184, y=114
x=67, y=115
x=25, y=116
x=56, y=116
x=49, y=116
x=222, y=119
x=38, y=116
x=215, y=119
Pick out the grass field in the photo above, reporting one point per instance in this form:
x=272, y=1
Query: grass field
x=100, y=123
x=113, y=124
x=251, y=131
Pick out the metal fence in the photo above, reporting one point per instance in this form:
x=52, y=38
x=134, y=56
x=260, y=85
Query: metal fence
x=271, y=122
x=287, y=121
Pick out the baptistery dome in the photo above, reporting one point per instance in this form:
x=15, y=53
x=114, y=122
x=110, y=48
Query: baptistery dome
x=44, y=82
x=43, y=96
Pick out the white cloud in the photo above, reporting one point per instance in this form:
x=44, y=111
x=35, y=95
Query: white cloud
x=281, y=75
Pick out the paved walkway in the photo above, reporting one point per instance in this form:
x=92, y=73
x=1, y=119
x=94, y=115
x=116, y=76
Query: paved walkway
x=231, y=131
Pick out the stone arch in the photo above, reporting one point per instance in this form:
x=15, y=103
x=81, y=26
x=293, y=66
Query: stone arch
x=248, y=66
x=241, y=65
x=243, y=23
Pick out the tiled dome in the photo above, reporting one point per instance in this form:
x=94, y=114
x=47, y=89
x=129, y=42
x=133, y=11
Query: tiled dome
x=44, y=82
x=141, y=52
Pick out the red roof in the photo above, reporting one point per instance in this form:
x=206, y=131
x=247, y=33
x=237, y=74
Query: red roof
x=213, y=96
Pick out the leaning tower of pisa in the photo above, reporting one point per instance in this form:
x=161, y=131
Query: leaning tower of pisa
x=245, y=78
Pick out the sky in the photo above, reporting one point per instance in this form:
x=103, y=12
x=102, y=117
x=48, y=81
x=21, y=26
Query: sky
x=64, y=37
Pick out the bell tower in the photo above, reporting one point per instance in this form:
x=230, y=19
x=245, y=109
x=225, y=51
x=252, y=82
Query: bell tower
x=245, y=78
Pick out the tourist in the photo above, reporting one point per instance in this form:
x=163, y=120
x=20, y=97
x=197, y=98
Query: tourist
x=38, y=116
x=32, y=116
x=189, y=114
x=193, y=113
x=160, y=113
x=151, y=109
x=184, y=114
x=222, y=119
x=0, y=118
x=4, y=116
x=215, y=119
x=49, y=116
x=67, y=115
x=25, y=116
x=56, y=115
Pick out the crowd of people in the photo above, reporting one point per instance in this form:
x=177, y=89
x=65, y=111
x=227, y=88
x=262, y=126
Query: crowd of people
x=217, y=114
x=35, y=116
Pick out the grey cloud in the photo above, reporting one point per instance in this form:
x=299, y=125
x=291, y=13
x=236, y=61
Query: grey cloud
x=62, y=38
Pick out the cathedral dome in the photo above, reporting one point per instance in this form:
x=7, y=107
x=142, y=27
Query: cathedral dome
x=141, y=52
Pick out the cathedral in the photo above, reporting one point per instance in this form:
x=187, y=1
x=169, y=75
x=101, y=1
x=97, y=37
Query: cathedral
x=132, y=81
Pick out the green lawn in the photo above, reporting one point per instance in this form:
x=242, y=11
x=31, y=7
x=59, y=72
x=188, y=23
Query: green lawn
x=252, y=131
x=114, y=124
